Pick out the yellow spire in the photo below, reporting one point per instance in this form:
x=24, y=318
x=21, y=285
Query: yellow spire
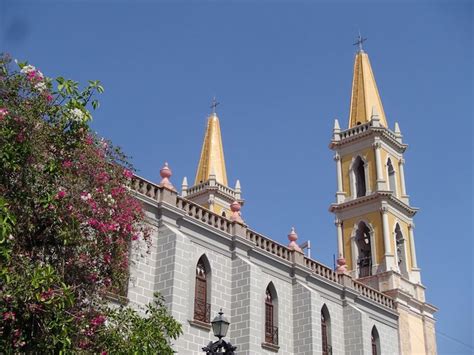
x=212, y=154
x=365, y=95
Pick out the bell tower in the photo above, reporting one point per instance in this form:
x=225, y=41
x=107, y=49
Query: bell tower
x=373, y=215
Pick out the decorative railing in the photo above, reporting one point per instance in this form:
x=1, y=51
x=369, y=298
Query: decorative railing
x=202, y=311
x=146, y=188
x=355, y=130
x=268, y=245
x=204, y=215
x=202, y=187
x=373, y=294
x=197, y=188
x=271, y=334
x=321, y=270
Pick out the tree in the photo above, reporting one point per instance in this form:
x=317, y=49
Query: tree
x=67, y=222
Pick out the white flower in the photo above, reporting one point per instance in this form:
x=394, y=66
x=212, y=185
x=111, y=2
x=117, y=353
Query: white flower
x=27, y=69
x=41, y=86
x=76, y=115
x=86, y=197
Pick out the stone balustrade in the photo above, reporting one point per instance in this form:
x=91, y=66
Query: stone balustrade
x=197, y=188
x=146, y=188
x=204, y=185
x=321, y=270
x=355, y=130
x=373, y=294
x=204, y=215
x=268, y=245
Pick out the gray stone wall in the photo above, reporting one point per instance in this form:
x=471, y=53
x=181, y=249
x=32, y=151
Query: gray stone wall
x=238, y=280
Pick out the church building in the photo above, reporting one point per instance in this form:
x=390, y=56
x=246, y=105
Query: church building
x=204, y=257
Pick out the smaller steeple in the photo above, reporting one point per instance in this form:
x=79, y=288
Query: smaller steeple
x=211, y=188
x=212, y=153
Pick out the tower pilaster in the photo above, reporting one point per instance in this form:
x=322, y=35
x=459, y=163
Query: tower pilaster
x=340, y=193
x=380, y=183
x=389, y=263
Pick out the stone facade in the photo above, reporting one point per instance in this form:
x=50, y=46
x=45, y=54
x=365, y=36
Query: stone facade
x=242, y=264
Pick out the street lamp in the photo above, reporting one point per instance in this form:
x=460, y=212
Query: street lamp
x=220, y=325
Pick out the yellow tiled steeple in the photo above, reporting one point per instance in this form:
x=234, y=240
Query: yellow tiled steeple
x=365, y=95
x=212, y=154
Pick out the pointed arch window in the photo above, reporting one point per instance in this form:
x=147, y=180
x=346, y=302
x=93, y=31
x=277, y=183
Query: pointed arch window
x=375, y=339
x=391, y=176
x=360, y=178
x=364, y=245
x=326, y=331
x=201, y=294
x=271, y=303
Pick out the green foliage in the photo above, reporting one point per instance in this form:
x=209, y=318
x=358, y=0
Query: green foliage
x=67, y=222
x=129, y=332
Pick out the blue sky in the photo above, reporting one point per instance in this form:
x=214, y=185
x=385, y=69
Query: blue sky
x=282, y=72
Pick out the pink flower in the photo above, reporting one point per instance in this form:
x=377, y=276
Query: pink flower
x=107, y=258
x=97, y=321
x=49, y=97
x=3, y=113
x=89, y=140
x=20, y=137
x=8, y=316
x=127, y=173
x=46, y=295
x=61, y=193
x=67, y=164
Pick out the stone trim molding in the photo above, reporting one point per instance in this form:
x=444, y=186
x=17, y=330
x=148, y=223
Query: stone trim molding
x=200, y=325
x=271, y=347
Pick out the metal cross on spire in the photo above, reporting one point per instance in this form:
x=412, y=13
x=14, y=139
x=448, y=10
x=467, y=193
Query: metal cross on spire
x=359, y=42
x=214, y=105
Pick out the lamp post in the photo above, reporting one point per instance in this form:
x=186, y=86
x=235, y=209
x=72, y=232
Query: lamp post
x=220, y=325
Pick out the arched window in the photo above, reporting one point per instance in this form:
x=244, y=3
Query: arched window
x=359, y=174
x=391, y=176
x=364, y=262
x=401, y=254
x=326, y=331
x=202, y=309
x=375, y=341
x=271, y=303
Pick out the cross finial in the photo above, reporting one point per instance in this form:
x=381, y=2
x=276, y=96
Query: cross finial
x=214, y=104
x=359, y=42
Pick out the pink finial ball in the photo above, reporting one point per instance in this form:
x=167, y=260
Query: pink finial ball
x=341, y=261
x=165, y=171
x=235, y=206
x=293, y=236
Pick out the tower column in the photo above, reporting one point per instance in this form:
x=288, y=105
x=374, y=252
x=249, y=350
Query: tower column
x=388, y=256
x=340, y=193
x=411, y=226
x=340, y=244
x=378, y=166
x=401, y=165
